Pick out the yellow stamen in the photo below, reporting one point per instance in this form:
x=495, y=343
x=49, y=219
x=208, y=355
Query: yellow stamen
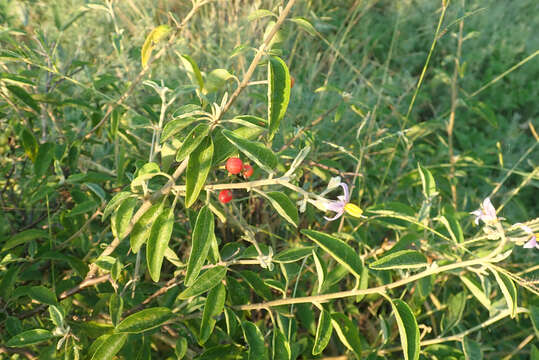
x=353, y=210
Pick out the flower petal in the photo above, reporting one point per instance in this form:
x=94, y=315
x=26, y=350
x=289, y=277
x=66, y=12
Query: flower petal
x=346, y=192
x=489, y=209
x=531, y=243
x=337, y=215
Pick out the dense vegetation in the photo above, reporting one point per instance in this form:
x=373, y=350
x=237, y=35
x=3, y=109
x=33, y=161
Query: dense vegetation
x=290, y=179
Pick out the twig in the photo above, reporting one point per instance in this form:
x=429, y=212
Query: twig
x=261, y=50
x=451, y=124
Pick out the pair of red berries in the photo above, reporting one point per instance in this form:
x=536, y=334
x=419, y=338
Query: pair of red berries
x=234, y=166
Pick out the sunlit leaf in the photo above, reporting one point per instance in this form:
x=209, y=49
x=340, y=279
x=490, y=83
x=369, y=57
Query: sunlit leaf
x=202, y=236
x=144, y=320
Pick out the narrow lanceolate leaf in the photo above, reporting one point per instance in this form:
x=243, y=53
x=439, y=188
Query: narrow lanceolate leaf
x=158, y=242
x=24, y=237
x=408, y=329
x=114, y=203
x=255, y=340
x=293, y=254
x=110, y=347
x=283, y=205
x=29, y=337
x=156, y=35
x=144, y=320
x=141, y=229
x=323, y=332
x=43, y=295
x=175, y=125
x=213, y=308
x=224, y=148
x=281, y=347
x=29, y=143
x=24, y=96
x=198, y=169
x=192, y=140
x=278, y=92
x=338, y=249
x=509, y=291
x=205, y=282
x=122, y=217
x=43, y=158
x=427, y=182
x=405, y=259
x=476, y=290
x=192, y=70
x=257, y=152
x=116, y=306
x=202, y=236
x=347, y=332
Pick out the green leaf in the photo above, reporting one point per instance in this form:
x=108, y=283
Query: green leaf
x=114, y=203
x=181, y=348
x=192, y=70
x=347, y=332
x=213, y=308
x=216, y=79
x=144, y=320
x=224, y=149
x=455, y=308
x=509, y=291
x=427, y=182
x=281, y=347
x=256, y=283
x=116, y=306
x=56, y=315
x=258, y=14
x=304, y=24
x=174, y=126
x=24, y=237
x=338, y=249
x=255, y=340
x=472, y=349
x=156, y=35
x=142, y=228
x=291, y=255
x=158, y=242
x=323, y=332
x=534, y=316
x=405, y=259
x=278, y=92
x=122, y=217
x=284, y=206
x=408, y=329
x=198, y=169
x=29, y=337
x=476, y=290
x=202, y=237
x=29, y=143
x=20, y=93
x=43, y=158
x=192, y=141
x=204, y=282
x=109, y=347
x=257, y=152
x=42, y=295
x=321, y=270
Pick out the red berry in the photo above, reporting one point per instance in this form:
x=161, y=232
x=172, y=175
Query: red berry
x=234, y=165
x=225, y=196
x=292, y=81
x=247, y=170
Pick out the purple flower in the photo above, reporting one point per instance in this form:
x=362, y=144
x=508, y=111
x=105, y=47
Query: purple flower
x=337, y=206
x=532, y=242
x=486, y=213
